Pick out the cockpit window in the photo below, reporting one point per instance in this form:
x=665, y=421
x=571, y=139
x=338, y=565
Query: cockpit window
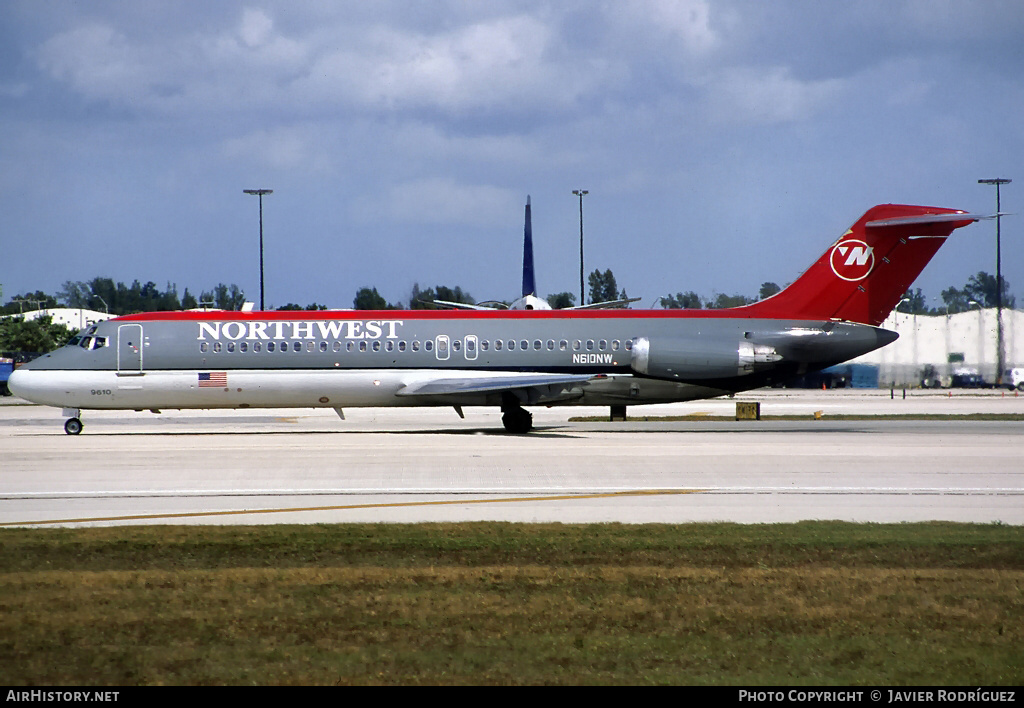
x=74, y=341
x=89, y=342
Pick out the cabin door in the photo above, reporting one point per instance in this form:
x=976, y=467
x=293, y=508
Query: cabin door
x=471, y=346
x=129, y=349
x=442, y=345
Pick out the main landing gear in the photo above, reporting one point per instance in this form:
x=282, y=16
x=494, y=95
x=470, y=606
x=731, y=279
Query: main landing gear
x=73, y=425
x=514, y=417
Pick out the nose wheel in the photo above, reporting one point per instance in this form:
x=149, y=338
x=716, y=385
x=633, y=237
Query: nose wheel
x=73, y=426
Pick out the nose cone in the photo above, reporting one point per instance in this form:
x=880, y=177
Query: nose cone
x=49, y=388
x=18, y=384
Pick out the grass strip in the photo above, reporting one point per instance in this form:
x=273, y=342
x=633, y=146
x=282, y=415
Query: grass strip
x=814, y=603
x=697, y=417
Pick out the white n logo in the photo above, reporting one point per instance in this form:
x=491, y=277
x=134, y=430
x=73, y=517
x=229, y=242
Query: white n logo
x=859, y=255
x=852, y=259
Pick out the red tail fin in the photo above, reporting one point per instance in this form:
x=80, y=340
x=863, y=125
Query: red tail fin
x=864, y=274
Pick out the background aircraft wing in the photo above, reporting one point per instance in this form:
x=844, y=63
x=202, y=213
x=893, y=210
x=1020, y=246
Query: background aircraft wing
x=456, y=305
x=608, y=304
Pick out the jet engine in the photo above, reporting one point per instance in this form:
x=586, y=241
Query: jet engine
x=693, y=360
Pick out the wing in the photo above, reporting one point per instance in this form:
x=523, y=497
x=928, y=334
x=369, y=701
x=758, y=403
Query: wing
x=528, y=388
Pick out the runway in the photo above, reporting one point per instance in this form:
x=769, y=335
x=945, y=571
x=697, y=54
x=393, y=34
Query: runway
x=405, y=465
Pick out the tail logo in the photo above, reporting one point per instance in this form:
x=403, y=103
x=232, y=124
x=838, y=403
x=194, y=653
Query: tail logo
x=852, y=260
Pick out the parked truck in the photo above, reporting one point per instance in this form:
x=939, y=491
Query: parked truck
x=6, y=367
x=1014, y=378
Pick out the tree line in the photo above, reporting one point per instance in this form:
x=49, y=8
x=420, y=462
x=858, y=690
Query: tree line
x=104, y=295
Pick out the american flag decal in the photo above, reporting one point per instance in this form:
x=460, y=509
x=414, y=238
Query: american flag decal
x=213, y=379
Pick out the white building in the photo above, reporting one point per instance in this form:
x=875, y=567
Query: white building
x=966, y=340
x=74, y=318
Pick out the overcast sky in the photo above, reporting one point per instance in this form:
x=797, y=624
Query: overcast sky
x=723, y=144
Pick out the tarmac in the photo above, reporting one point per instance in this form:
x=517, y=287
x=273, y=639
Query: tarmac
x=429, y=465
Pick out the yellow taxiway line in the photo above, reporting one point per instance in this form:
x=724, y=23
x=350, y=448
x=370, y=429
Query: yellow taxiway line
x=348, y=507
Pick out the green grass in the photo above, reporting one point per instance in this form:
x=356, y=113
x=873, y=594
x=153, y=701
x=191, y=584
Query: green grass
x=814, y=603
x=810, y=416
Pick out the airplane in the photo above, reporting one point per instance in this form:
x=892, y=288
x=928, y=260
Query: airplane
x=529, y=300
x=504, y=358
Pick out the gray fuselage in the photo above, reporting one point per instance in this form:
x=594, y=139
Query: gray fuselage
x=359, y=358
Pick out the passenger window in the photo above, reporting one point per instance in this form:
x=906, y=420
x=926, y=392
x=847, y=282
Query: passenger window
x=216, y=347
x=457, y=345
x=497, y=345
x=401, y=346
x=415, y=345
x=428, y=345
x=231, y=347
x=576, y=344
x=336, y=346
x=524, y=345
x=256, y=347
x=603, y=344
x=350, y=346
x=511, y=344
x=323, y=346
x=376, y=346
x=590, y=345
x=297, y=346
x=243, y=347
x=362, y=346
x=551, y=345
x=537, y=345
x=484, y=345
x=563, y=345
x=271, y=346
x=204, y=347
x=615, y=345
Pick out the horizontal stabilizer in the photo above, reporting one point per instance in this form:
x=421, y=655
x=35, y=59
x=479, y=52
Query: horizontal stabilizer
x=930, y=219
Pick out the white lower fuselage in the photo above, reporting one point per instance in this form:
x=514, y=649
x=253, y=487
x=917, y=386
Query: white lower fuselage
x=314, y=389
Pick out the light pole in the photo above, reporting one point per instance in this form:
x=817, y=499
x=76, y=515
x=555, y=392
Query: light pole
x=580, y=193
x=999, y=283
x=260, y=193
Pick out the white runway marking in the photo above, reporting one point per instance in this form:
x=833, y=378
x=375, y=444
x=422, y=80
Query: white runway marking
x=530, y=492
